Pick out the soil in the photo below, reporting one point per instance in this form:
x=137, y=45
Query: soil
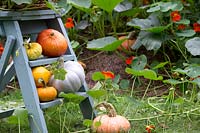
x=102, y=61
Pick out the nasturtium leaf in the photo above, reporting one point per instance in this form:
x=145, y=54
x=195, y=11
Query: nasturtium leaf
x=172, y=81
x=19, y=2
x=193, y=70
x=146, y=73
x=160, y=65
x=96, y=93
x=104, y=44
x=72, y=97
x=139, y=62
x=87, y=122
x=193, y=46
x=97, y=76
x=107, y=5
x=183, y=21
x=186, y=33
x=174, y=6
x=124, y=84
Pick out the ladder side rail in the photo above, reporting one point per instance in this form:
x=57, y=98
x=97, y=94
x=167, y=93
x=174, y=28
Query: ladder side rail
x=25, y=79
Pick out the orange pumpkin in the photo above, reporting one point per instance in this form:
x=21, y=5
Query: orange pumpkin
x=126, y=44
x=53, y=42
x=41, y=73
x=111, y=122
x=45, y=93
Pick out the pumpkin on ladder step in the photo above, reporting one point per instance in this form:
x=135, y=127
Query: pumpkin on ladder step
x=74, y=78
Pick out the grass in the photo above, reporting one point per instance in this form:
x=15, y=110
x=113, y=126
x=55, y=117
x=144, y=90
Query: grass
x=176, y=115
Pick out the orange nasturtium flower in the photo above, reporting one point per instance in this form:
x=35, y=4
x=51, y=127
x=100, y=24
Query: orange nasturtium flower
x=69, y=23
x=108, y=74
x=196, y=27
x=1, y=49
x=175, y=15
x=181, y=27
x=129, y=60
x=150, y=128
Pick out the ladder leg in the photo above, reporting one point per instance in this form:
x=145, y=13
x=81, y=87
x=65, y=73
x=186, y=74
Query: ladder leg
x=25, y=78
x=5, y=58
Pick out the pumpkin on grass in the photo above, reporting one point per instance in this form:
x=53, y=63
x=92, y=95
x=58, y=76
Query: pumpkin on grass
x=74, y=78
x=126, y=44
x=41, y=72
x=53, y=42
x=111, y=122
x=33, y=50
x=46, y=93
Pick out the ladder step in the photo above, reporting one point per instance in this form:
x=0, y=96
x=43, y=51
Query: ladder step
x=45, y=61
x=58, y=101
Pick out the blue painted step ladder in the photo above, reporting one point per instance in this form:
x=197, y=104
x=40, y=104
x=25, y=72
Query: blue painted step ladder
x=13, y=25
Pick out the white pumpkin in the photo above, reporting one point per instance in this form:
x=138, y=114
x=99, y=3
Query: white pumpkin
x=74, y=78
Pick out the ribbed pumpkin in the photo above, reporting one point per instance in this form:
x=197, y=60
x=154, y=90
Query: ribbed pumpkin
x=111, y=122
x=53, y=42
x=33, y=50
x=74, y=78
x=41, y=72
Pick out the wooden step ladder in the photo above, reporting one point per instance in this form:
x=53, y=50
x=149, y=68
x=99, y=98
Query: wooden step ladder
x=13, y=26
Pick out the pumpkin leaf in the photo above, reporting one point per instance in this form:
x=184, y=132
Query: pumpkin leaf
x=123, y=6
x=80, y=3
x=19, y=2
x=107, y=5
x=193, y=46
x=104, y=44
x=96, y=93
x=59, y=73
x=71, y=97
x=193, y=70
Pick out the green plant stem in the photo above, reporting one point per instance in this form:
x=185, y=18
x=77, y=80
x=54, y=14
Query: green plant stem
x=146, y=90
x=113, y=24
x=19, y=129
x=133, y=85
x=177, y=45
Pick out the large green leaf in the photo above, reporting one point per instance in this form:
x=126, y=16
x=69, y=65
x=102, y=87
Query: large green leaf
x=80, y=3
x=166, y=6
x=193, y=46
x=104, y=44
x=157, y=29
x=151, y=41
x=19, y=2
x=96, y=93
x=123, y=6
x=186, y=33
x=107, y=5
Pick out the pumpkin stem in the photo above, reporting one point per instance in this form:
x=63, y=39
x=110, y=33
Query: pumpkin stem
x=52, y=34
x=41, y=80
x=109, y=107
x=60, y=62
